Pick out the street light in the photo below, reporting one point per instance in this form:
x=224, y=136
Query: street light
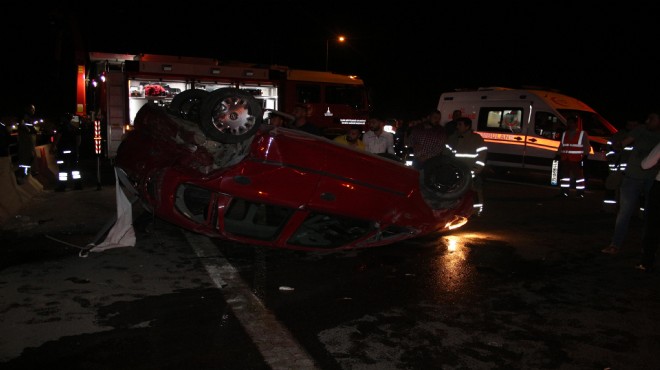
x=339, y=39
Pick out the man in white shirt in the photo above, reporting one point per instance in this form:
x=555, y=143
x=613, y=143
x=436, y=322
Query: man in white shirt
x=376, y=139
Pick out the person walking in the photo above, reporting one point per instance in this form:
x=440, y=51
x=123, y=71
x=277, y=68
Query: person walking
x=573, y=150
x=636, y=181
x=470, y=148
x=651, y=236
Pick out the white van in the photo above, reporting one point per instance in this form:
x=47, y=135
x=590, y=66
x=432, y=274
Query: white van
x=522, y=128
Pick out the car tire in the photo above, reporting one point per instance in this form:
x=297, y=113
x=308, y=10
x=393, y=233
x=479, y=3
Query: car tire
x=187, y=104
x=230, y=115
x=443, y=179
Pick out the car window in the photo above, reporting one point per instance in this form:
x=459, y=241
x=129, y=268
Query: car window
x=329, y=231
x=256, y=220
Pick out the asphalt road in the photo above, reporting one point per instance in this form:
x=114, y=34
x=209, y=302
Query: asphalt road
x=522, y=287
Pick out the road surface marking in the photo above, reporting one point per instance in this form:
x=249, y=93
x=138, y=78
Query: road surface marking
x=274, y=341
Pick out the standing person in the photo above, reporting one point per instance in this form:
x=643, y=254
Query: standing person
x=573, y=150
x=27, y=143
x=377, y=140
x=450, y=127
x=636, y=181
x=651, y=237
x=301, y=120
x=617, y=158
x=470, y=148
x=351, y=139
x=66, y=147
x=427, y=140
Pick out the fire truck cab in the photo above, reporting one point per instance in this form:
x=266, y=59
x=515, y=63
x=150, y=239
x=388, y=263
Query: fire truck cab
x=125, y=82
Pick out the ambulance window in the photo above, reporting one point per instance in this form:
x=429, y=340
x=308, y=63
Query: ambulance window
x=500, y=119
x=511, y=120
x=594, y=127
x=547, y=125
x=592, y=123
x=493, y=119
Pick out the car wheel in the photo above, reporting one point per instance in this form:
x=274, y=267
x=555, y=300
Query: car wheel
x=187, y=104
x=445, y=178
x=230, y=115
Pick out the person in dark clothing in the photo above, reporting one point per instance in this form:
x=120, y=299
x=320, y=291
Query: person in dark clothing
x=450, y=127
x=302, y=122
x=427, y=139
x=27, y=142
x=651, y=235
x=4, y=140
x=66, y=147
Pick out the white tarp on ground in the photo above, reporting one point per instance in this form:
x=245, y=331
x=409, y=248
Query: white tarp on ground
x=122, y=233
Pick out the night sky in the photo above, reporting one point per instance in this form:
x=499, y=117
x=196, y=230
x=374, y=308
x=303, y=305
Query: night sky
x=408, y=53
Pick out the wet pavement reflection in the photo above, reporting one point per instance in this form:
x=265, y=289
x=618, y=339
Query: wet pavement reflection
x=524, y=286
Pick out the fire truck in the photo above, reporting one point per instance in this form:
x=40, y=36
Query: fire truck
x=118, y=85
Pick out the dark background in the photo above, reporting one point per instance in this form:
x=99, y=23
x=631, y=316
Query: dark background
x=407, y=53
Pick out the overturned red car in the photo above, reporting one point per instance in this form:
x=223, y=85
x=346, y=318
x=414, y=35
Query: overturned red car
x=211, y=164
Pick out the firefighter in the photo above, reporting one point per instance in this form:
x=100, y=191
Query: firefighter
x=470, y=148
x=27, y=142
x=617, y=158
x=573, y=150
x=66, y=145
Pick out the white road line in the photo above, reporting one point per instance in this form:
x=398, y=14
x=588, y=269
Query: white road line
x=278, y=347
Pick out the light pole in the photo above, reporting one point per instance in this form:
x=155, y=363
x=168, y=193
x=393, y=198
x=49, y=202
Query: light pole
x=339, y=39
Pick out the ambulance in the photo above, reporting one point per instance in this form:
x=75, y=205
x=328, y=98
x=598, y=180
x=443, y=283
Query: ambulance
x=522, y=127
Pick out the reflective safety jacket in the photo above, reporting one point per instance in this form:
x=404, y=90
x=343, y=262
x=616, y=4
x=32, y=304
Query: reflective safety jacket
x=470, y=149
x=617, y=156
x=574, y=147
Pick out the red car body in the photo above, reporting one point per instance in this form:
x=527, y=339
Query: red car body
x=279, y=187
